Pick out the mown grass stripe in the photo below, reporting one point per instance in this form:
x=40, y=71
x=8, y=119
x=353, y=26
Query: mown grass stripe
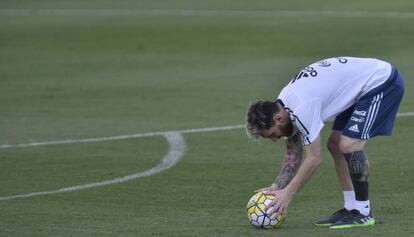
x=204, y=13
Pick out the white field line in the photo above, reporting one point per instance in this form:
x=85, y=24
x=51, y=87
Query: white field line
x=137, y=135
x=177, y=148
x=405, y=114
x=121, y=137
x=203, y=13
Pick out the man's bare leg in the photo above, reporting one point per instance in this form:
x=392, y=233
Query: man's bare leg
x=341, y=165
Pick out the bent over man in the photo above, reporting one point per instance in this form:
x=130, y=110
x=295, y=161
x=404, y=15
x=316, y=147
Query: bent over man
x=363, y=96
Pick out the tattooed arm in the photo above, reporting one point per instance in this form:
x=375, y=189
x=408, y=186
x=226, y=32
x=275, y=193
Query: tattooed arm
x=302, y=175
x=291, y=163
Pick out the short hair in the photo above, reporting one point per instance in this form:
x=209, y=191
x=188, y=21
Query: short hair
x=260, y=116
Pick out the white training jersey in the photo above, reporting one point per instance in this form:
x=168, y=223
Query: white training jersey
x=326, y=88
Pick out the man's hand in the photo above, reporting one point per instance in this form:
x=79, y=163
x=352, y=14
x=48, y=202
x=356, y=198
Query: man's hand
x=280, y=203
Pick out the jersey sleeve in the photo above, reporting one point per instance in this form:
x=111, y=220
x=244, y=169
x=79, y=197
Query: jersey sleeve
x=307, y=118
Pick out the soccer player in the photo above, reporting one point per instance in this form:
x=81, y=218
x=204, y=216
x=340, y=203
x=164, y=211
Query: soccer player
x=363, y=96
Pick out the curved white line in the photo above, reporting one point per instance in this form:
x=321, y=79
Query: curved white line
x=174, y=138
x=176, y=151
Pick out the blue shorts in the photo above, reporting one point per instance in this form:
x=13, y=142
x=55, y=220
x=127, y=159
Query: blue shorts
x=374, y=114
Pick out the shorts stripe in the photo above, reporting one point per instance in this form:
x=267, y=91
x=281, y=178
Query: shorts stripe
x=372, y=115
x=366, y=121
x=379, y=104
x=369, y=116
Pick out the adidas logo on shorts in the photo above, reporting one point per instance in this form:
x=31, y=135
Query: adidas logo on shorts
x=354, y=128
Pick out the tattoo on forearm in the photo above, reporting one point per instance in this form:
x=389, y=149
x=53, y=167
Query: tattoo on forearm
x=291, y=162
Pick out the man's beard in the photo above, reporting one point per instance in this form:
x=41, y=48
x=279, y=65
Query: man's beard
x=288, y=129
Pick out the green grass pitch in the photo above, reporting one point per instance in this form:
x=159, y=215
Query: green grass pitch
x=69, y=71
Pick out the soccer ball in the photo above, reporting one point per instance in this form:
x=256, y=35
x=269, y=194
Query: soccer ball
x=257, y=215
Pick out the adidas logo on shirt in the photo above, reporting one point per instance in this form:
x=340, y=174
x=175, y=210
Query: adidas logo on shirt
x=354, y=128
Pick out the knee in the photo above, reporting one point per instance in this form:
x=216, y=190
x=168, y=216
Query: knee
x=347, y=145
x=333, y=145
